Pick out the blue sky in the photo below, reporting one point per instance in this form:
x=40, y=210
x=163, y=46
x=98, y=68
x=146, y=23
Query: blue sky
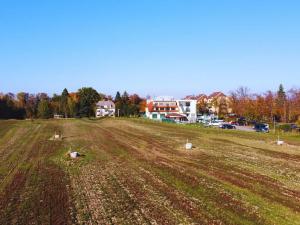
x=166, y=47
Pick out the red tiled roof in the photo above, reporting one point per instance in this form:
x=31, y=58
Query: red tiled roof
x=217, y=94
x=190, y=97
x=195, y=97
x=176, y=115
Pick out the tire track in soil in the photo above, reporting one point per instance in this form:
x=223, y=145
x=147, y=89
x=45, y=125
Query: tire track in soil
x=236, y=176
x=158, y=217
x=128, y=147
x=113, y=205
x=182, y=167
x=44, y=201
x=108, y=190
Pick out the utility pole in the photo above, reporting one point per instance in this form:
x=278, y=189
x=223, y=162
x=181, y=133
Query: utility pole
x=274, y=124
x=118, y=112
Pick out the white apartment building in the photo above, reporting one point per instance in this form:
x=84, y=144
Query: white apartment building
x=167, y=107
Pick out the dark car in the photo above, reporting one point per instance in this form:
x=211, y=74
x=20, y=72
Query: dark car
x=261, y=127
x=228, y=126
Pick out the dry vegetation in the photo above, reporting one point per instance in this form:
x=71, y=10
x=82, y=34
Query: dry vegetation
x=137, y=172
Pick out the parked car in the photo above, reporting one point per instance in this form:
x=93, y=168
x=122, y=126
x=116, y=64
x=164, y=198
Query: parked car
x=294, y=126
x=261, y=127
x=233, y=123
x=227, y=126
x=216, y=123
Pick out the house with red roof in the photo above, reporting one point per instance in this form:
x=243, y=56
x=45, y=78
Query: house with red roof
x=167, y=107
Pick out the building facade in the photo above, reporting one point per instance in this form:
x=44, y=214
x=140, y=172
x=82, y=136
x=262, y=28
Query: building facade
x=216, y=103
x=160, y=107
x=105, y=108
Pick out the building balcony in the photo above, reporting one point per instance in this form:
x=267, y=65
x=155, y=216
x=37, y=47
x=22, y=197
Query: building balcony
x=163, y=109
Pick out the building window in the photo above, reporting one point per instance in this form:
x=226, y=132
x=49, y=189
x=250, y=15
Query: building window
x=154, y=116
x=188, y=104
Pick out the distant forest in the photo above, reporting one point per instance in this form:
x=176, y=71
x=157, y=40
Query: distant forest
x=77, y=104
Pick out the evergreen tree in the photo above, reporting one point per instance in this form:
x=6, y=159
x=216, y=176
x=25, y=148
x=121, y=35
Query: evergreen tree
x=64, y=102
x=125, y=109
x=87, y=100
x=125, y=97
x=118, y=97
x=281, y=103
x=118, y=104
x=281, y=96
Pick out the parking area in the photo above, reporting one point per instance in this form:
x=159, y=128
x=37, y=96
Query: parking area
x=245, y=128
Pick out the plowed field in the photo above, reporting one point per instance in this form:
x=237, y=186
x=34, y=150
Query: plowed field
x=134, y=171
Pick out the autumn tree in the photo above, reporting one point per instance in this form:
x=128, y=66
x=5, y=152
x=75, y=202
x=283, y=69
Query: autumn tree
x=55, y=104
x=73, y=104
x=31, y=106
x=222, y=107
x=9, y=108
x=127, y=105
x=134, y=104
x=142, y=106
x=294, y=105
x=239, y=100
x=269, y=105
x=44, y=109
x=202, y=106
x=72, y=107
x=22, y=98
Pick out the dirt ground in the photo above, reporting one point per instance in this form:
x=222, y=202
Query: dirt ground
x=134, y=171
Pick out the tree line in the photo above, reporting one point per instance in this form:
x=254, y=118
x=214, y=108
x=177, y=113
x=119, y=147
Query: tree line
x=280, y=106
x=69, y=105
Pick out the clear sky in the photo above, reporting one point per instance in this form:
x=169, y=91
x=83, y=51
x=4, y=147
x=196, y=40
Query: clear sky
x=156, y=47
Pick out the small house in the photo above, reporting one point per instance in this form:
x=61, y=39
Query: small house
x=105, y=108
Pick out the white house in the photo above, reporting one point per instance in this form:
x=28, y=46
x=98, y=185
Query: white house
x=164, y=106
x=105, y=108
x=188, y=108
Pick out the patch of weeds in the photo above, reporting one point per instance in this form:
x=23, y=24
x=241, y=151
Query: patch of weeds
x=63, y=159
x=209, y=198
x=25, y=166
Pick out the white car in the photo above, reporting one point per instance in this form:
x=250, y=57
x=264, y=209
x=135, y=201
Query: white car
x=215, y=123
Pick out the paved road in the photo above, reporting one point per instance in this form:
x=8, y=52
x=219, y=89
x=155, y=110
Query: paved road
x=245, y=128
